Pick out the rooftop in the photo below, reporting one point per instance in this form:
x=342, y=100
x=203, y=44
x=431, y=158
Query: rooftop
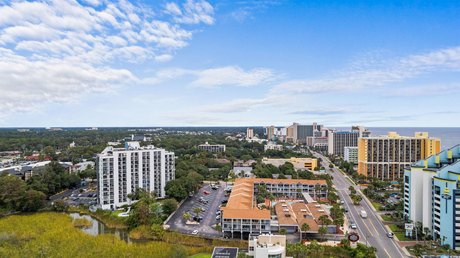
x=242, y=204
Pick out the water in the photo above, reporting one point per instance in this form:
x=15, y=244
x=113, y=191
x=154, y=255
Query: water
x=450, y=136
x=98, y=228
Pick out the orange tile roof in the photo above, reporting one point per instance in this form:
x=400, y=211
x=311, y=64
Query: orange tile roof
x=242, y=204
x=283, y=181
x=298, y=214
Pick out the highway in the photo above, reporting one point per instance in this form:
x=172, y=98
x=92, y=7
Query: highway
x=370, y=230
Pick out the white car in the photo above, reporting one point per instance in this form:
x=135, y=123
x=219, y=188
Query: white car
x=353, y=226
x=195, y=232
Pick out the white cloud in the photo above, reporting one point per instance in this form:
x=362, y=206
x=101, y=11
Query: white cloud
x=382, y=73
x=216, y=77
x=54, y=51
x=232, y=75
x=192, y=12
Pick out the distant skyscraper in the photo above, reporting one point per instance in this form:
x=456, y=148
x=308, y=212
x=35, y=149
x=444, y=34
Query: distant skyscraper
x=249, y=133
x=121, y=170
x=385, y=157
x=270, y=132
x=338, y=140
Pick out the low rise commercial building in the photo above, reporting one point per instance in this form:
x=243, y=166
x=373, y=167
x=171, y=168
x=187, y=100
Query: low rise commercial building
x=299, y=163
x=212, y=147
x=385, y=157
x=267, y=246
x=432, y=195
x=273, y=146
x=292, y=216
x=242, y=216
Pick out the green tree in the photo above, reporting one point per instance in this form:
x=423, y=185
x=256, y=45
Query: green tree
x=33, y=201
x=322, y=231
x=157, y=232
x=283, y=231
x=169, y=206
x=197, y=211
x=176, y=189
x=186, y=216
x=12, y=190
x=305, y=227
x=60, y=206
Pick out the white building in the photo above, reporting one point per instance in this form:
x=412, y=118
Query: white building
x=273, y=146
x=121, y=170
x=212, y=147
x=249, y=133
x=267, y=246
x=350, y=154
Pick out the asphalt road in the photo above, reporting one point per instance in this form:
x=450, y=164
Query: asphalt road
x=370, y=230
x=205, y=228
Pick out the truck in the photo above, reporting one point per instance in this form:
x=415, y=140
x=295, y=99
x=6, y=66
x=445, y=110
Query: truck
x=363, y=214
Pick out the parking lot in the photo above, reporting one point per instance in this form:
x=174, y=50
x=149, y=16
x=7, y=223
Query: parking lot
x=81, y=196
x=207, y=217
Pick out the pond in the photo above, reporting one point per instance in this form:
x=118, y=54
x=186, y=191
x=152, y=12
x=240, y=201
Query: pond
x=99, y=228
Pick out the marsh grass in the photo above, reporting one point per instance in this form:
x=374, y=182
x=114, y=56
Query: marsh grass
x=50, y=234
x=82, y=223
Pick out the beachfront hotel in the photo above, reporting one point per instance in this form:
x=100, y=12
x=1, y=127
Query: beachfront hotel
x=385, y=157
x=432, y=195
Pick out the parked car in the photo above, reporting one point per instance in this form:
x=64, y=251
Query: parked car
x=390, y=234
x=195, y=232
x=206, y=192
x=353, y=225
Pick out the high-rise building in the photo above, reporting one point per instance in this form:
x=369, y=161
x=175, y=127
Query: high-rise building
x=270, y=132
x=432, y=195
x=351, y=155
x=385, y=157
x=338, y=140
x=298, y=134
x=121, y=171
x=249, y=133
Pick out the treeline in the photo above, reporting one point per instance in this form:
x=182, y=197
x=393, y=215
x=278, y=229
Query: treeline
x=31, y=195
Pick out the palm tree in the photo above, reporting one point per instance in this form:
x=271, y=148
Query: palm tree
x=186, y=216
x=197, y=211
x=324, y=220
x=322, y=231
x=317, y=189
x=305, y=227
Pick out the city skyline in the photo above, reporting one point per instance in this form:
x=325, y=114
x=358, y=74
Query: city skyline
x=221, y=63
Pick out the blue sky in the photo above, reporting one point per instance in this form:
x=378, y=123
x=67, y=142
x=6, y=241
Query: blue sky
x=179, y=63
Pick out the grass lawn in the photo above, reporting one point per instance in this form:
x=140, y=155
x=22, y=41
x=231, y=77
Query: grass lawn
x=387, y=218
x=376, y=205
x=201, y=255
x=399, y=233
x=394, y=228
